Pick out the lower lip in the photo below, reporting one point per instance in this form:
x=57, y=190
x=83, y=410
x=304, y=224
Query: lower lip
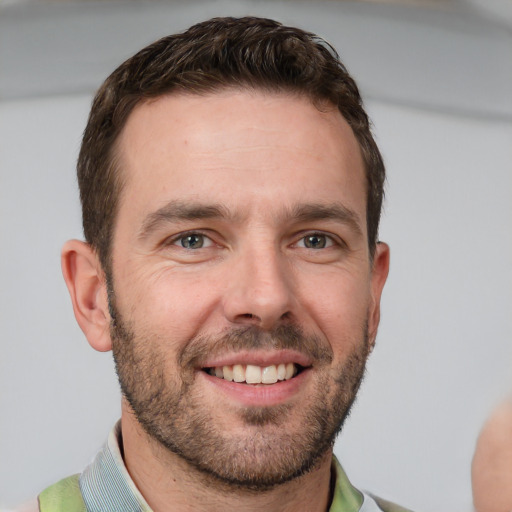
x=261, y=395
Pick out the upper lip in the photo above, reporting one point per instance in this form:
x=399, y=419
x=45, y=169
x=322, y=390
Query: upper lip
x=258, y=358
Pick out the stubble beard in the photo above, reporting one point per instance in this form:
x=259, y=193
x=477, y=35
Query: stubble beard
x=266, y=452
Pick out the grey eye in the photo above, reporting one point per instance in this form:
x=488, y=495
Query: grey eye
x=315, y=241
x=193, y=241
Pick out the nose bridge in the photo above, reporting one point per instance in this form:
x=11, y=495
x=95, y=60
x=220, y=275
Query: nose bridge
x=261, y=285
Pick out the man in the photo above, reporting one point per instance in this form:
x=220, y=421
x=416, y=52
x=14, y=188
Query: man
x=231, y=193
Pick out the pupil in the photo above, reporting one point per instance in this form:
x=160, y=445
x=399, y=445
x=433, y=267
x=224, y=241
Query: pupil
x=192, y=241
x=315, y=242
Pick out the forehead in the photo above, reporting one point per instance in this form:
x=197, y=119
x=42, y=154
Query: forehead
x=241, y=149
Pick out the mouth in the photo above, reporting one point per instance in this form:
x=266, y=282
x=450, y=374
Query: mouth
x=253, y=374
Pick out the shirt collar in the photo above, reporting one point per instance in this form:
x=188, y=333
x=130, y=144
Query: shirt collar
x=346, y=498
x=106, y=484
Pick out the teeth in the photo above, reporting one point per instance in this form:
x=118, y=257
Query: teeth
x=228, y=373
x=238, y=373
x=290, y=371
x=252, y=374
x=269, y=375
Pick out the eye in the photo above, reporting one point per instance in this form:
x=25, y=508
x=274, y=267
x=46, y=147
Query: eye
x=316, y=241
x=193, y=241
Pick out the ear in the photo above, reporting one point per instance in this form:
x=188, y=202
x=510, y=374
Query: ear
x=379, y=275
x=87, y=287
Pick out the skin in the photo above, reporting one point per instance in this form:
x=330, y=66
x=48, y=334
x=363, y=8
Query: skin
x=491, y=471
x=262, y=157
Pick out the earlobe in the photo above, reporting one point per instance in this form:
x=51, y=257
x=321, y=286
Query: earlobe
x=87, y=287
x=380, y=270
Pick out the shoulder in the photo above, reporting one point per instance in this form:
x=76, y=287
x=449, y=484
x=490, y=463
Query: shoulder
x=347, y=498
x=63, y=496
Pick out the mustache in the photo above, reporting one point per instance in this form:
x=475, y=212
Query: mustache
x=282, y=337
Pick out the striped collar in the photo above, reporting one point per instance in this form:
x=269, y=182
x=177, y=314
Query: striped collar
x=106, y=485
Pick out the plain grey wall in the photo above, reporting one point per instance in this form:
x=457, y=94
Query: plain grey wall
x=444, y=351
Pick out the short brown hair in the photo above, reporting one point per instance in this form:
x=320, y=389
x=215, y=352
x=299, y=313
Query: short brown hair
x=215, y=54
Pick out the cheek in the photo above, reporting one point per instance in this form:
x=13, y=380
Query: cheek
x=338, y=305
x=164, y=301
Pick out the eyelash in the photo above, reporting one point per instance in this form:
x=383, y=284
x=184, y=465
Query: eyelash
x=331, y=241
x=181, y=236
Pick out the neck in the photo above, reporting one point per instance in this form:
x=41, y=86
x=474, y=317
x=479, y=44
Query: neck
x=168, y=482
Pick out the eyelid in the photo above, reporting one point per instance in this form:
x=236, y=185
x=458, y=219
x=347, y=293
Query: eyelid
x=336, y=240
x=173, y=239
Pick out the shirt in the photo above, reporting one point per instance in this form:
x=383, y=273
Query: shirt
x=106, y=486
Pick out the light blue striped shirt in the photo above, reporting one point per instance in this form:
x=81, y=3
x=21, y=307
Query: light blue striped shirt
x=106, y=485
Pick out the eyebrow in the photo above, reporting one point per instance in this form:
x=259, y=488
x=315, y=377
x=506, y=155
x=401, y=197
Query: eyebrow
x=334, y=211
x=181, y=211
x=177, y=210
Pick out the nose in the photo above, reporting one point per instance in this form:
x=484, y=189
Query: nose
x=260, y=289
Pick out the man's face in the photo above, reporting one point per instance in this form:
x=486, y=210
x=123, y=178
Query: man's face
x=244, y=299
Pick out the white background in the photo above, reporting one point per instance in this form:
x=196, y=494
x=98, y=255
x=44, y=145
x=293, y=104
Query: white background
x=444, y=350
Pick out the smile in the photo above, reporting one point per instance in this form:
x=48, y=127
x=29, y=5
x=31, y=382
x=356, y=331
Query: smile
x=252, y=374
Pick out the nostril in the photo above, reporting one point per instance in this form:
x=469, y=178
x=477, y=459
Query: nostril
x=247, y=318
